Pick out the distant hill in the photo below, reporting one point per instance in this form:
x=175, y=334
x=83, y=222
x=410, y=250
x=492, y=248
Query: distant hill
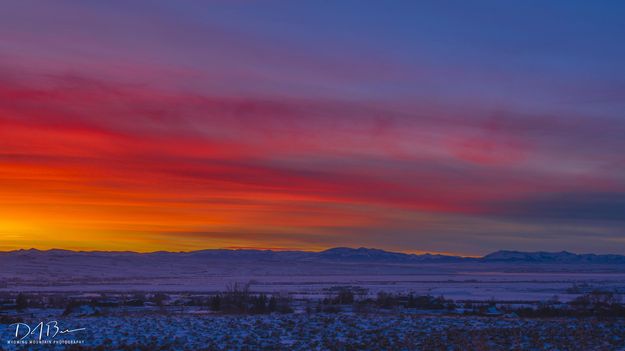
x=551, y=257
x=377, y=255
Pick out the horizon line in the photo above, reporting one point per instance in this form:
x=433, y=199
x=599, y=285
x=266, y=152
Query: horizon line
x=273, y=249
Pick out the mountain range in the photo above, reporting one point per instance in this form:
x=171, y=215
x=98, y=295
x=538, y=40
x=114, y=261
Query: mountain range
x=338, y=254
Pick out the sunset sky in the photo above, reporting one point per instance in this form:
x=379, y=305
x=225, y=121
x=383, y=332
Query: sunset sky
x=416, y=126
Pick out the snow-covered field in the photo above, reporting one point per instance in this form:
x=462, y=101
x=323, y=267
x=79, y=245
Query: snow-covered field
x=305, y=274
x=334, y=332
x=461, y=285
x=52, y=280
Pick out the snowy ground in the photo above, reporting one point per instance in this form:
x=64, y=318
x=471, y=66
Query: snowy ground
x=152, y=328
x=31, y=271
x=334, y=332
x=458, y=286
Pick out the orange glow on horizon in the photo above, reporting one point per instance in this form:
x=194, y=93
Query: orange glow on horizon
x=190, y=137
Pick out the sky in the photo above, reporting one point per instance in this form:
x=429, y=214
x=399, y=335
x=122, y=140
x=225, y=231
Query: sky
x=458, y=127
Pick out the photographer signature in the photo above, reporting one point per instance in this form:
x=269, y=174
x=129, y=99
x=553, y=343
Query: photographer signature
x=49, y=330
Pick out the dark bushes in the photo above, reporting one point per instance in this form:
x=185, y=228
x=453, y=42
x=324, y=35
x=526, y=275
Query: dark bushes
x=593, y=304
x=239, y=299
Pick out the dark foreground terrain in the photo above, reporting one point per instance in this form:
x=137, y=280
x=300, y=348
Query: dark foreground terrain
x=336, y=332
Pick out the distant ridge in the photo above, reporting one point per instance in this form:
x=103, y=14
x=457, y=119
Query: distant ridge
x=365, y=254
x=338, y=254
x=551, y=257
